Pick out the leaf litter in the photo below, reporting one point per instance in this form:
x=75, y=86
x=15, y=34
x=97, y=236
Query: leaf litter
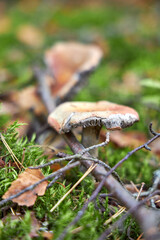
x=26, y=179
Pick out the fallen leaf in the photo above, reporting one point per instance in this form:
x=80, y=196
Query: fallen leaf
x=55, y=167
x=27, y=99
x=155, y=147
x=25, y=179
x=30, y=36
x=15, y=55
x=47, y=235
x=29, y=5
x=128, y=139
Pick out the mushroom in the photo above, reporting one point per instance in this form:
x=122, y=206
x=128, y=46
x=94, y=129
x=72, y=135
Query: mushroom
x=91, y=116
x=70, y=64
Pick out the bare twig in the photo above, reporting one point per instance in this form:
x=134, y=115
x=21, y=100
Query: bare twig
x=130, y=211
x=116, y=189
x=44, y=90
x=154, y=187
x=57, y=160
x=82, y=211
x=78, y=156
x=81, y=157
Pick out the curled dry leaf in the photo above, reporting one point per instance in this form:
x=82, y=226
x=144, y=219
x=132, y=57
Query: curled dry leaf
x=70, y=63
x=26, y=179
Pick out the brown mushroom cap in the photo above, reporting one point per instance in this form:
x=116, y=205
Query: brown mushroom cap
x=73, y=114
x=73, y=57
x=71, y=63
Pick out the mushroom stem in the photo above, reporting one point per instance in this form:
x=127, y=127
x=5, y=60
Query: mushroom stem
x=90, y=137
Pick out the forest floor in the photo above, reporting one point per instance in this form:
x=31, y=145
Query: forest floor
x=129, y=74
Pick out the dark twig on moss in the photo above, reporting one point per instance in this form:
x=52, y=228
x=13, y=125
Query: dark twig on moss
x=130, y=211
x=82, y=211
x=81, y=157
x=44, y=90
x=115, y=188
x=78, y=156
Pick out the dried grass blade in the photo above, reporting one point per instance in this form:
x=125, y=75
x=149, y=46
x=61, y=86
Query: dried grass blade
x=75, y=185
x=15, y=159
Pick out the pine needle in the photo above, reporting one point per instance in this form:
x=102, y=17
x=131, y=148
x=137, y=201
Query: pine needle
x=121, y=210
x=75, y=185
x=15, y=159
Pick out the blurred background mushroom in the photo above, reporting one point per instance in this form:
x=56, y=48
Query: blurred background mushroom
x=69, y=65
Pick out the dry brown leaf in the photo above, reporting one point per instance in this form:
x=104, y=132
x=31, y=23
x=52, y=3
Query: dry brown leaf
x=55, y=167
x=47, y=235
x=155, y=146
x=25, y=179
x=28, y=98
x=128, y=139
x=30, y=36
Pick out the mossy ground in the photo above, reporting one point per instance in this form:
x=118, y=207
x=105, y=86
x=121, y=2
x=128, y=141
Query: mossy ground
x=129, y=35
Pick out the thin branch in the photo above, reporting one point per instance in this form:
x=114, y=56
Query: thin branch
x=145, y=145
x=116, y=189
x=156, y=181
x=82, y=211
x=57, y=160
x=78, y=156
x=122, y=219
x=54, y=180
x=44, y=90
